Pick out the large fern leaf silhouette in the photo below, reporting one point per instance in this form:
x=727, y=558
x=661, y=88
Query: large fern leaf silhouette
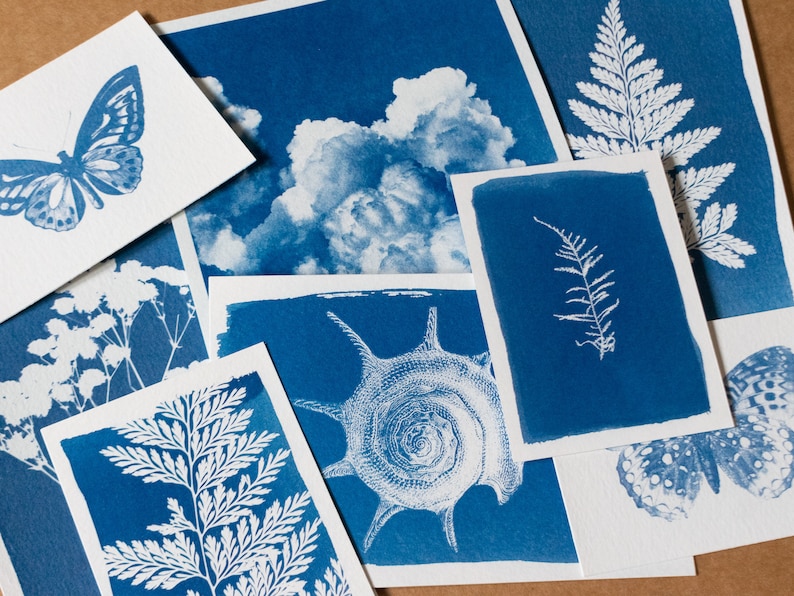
x=224, y=530
x=631, y=111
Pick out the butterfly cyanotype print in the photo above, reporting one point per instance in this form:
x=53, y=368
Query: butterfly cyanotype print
x=664, y=477
x=53, y=195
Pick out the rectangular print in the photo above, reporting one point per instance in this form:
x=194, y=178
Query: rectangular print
x=126, y=324
x=358, y=113
x=213, y=489
x=679, y=77
x=592, y=321
x=699, y=493
x=391, y=382
x=98, y=147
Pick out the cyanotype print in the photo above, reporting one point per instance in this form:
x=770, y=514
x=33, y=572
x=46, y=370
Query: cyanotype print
x=354, y=157
x=648, y=314
x=226, y=511
x=421, y=429
x=625, y=83
x=664, y=477
x=591, y=292
x=54, y=195
x=400, y=410
x=127, y=324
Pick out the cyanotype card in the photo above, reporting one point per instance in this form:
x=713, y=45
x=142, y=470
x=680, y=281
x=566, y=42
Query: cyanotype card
x=590, y=305
x=358, y=113
x=679, y=77
x=204, y=483
x=391, y=381
x=97, y=148
x=700, y=493
x=126, y=324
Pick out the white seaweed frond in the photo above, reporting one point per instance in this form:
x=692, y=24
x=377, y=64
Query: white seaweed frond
x=590, y=293
x=631, y=111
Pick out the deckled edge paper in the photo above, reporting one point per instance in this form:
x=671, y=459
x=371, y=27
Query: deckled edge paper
x=718, y=415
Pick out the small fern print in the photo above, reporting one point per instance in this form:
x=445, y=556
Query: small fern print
x=591, y=292
x=633, y=112
x=223, y=530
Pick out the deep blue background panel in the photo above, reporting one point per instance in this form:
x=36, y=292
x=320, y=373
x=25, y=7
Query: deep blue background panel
x=655, y=373
x=316, y=360
x=122, y=505
x=696, y=44
x=34, y=519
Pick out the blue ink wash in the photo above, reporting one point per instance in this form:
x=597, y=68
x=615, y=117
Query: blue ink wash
x=99, y=339
x=655, y=340
x=53, y=195
x=501, y=513
x=206, y=497
x=679, y=61
x=352, y=173
x=664, y=477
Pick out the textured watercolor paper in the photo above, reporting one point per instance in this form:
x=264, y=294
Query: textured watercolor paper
x=391, y=383
x=680, y=77
x=699, y=493
x=128, y=323
x=98, y=147
x=592, y=319
x=213, y=488
x=358, y=113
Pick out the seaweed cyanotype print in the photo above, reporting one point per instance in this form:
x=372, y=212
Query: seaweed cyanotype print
x=223, y=530
x=422, y=428
x=53, y=196
x=590, y=292
x=94, y=348
x=632, y=112
x=664, y=477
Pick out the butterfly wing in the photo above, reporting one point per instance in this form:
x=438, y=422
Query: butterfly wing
x=664, y=477
x=50, y=198
x=104, y=143
x=116, y=114
x=19, y=181
x=763, y=383
x=756, y=455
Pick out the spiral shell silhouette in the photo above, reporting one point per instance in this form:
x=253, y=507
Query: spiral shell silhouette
x=422, y=428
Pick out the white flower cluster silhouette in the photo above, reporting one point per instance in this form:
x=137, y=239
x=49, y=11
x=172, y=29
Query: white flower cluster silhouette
x=89, y=354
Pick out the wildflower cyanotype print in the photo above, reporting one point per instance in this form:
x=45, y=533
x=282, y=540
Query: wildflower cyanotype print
x=632, y=112
x=223, y=530
x=95, y=351
x=590, y=292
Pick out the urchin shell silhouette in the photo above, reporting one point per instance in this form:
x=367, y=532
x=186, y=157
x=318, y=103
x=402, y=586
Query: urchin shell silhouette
x=422, y=428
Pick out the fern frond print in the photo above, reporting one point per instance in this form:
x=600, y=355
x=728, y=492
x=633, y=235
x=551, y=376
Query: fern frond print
x=630, y=111
x=590, y=293
x=226, y=530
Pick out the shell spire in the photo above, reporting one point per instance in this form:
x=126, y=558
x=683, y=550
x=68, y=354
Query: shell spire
x=430, y=341
x=369, y=362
